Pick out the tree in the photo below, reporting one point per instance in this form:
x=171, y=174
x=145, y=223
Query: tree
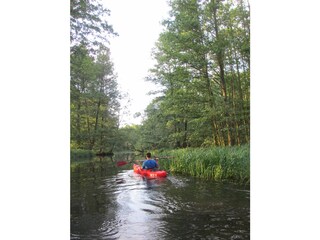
x=94, y=100
x=88, y=24
x=202, y=63
x=93, y=89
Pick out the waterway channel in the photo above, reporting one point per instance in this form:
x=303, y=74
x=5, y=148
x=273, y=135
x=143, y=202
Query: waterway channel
x=111, y=202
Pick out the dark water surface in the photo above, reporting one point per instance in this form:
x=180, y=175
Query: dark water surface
x=110, y=202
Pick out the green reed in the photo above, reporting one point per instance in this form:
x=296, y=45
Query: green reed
x=216, y=163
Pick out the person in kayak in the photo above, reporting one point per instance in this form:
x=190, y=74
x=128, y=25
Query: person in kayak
x=150, y=163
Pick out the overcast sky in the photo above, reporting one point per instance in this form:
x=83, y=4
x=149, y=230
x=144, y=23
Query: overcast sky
x=138, y=24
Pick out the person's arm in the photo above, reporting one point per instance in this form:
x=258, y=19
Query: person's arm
x=157, y=164
x=139, y=162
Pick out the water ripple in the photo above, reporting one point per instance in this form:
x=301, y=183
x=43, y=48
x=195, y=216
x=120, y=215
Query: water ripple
x=127, y=206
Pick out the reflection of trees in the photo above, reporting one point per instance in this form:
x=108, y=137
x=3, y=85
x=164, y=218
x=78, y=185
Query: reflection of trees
x=198, y=209
x=90, y=202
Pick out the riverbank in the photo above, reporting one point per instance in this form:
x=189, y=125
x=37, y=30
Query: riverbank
x=79, y=154
x=217, y=163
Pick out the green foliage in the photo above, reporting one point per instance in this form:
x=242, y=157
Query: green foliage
x=94, y=100
x=217, y=163
x=202, y=67
x=129, y=138
x=203, y=60
x=88, y=25
x=94, y=105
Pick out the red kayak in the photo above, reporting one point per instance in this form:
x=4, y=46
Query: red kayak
x=148, y=172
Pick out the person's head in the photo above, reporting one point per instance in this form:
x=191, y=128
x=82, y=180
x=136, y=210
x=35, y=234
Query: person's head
x=148, y=155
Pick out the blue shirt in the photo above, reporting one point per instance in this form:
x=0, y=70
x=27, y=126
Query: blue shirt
x=149, y=164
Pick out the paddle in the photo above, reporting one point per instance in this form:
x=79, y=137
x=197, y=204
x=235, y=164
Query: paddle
x=121, y=163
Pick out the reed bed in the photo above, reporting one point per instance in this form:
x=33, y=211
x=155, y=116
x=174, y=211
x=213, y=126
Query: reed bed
x=218, y=163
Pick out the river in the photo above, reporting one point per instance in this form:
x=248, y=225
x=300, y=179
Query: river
x=110, y=202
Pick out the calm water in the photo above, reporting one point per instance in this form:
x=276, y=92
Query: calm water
x=110, y=202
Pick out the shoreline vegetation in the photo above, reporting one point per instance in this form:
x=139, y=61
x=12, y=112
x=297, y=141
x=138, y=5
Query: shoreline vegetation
x=216, y=163
x=79, y=154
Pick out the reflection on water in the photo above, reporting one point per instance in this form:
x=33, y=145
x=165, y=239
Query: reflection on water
x=109, y=202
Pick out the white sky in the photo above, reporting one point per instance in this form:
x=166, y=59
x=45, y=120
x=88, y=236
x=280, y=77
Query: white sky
x=138, y=24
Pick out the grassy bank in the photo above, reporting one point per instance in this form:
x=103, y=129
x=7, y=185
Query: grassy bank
x=218, y=163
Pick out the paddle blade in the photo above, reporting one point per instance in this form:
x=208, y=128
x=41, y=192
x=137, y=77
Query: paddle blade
x=121, y=163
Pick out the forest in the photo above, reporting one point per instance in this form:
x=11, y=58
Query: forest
x=202, y=74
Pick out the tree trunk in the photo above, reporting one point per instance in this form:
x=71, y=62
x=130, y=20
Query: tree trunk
x=78, y=124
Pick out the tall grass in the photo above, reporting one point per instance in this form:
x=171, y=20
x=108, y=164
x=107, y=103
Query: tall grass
x=218, y=163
